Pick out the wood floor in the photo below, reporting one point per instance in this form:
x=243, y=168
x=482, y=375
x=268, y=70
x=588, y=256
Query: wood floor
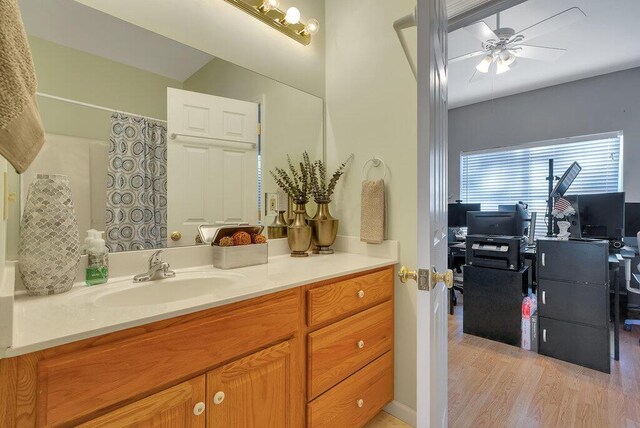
x=497, y=385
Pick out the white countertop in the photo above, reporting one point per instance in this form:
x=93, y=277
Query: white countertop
x=48, y=321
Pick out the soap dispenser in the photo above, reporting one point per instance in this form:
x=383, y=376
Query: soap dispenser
x=97, y=260
x=87, y=241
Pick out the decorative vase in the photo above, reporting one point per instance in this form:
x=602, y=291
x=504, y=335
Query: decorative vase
x=299, y=232
x=278, y=229
x=324, y=229
x=49, y=249
x=563, y=227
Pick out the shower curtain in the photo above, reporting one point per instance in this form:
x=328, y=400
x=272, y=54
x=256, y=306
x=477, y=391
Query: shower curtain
x=136, y=184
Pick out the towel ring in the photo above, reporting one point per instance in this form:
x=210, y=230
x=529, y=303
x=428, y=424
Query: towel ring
x=376, y=163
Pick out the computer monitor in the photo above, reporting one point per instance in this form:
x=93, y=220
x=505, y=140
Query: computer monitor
x=565, y=181
x=458, y=213
x=631, y=223
x=524, y=219
x=493, y=223
x=601, y=215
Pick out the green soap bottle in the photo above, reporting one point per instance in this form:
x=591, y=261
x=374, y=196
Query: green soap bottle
x=97, y=271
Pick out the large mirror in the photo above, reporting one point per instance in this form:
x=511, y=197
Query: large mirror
x=156, y=137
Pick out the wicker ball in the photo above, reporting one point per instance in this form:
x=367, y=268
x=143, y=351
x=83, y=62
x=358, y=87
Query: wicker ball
x=259, y=239
x=226, y=241
x=241, y=238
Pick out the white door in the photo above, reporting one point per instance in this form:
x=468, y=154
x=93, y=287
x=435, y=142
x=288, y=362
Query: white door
x=432, y=297
x=212, y=163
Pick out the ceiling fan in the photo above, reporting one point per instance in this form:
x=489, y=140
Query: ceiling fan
x=501, y=47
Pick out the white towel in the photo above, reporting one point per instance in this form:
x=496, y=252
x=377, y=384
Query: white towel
x=372, y=212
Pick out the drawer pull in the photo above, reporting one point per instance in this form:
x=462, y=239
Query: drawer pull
x=198, y=409
x=544, y=260
x=361, y=294
x=218, y=398
x=544, y=335
x=544, y=297
x=360, y=344
x=360, y=402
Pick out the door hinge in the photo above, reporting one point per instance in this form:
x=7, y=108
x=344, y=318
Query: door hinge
x=259, y=129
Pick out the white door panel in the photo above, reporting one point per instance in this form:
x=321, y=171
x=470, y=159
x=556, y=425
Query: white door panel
x=212, y=162
x=432, y=310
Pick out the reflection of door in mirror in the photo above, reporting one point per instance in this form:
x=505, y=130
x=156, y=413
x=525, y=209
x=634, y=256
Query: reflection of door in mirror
x=212, y=159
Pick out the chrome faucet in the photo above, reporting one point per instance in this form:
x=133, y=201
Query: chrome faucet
x=157, y=269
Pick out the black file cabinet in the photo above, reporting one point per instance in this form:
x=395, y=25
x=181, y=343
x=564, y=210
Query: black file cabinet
x=573, y=302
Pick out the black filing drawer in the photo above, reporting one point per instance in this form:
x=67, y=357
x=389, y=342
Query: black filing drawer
x=576, y=343
x=573, y=261
x=581, y=303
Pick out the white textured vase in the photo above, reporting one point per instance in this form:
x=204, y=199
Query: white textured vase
x=563, y=230
x=49, y=250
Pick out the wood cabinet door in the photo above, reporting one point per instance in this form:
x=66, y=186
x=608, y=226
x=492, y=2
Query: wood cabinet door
x=254, y=391
x=179, y=406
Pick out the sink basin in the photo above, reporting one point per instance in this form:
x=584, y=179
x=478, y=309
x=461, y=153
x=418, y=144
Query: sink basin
x=184, y=286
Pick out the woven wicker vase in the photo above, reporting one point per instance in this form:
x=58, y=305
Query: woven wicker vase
x=49, y=251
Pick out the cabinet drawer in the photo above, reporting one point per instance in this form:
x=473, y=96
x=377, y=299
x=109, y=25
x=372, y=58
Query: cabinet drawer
x=581, y=303
x=342, y=348
x=356, y=400
x=576, y=343
x=73, y=386
x=334, y=301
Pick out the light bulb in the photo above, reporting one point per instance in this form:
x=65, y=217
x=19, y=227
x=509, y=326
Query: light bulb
x=267, y=5
x=312, y=27
x=507, y=57
x=484, y=65
x=502, y=67
x=292, y=16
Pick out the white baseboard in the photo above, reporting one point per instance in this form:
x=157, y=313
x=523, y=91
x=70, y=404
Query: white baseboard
x=405, y=413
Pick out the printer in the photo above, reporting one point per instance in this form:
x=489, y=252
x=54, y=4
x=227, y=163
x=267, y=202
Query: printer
x=496, y=251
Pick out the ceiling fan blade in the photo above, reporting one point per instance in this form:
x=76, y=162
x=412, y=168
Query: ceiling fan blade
x=467, y=56
x=550, y=24
x=481, y=31
x=539, y=53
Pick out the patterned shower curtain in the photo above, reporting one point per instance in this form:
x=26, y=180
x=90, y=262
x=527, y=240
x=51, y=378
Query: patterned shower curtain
x=136, y=184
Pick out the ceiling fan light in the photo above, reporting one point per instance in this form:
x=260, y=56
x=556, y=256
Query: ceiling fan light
x=484, y=65
x=502, y=67
x=507, y=57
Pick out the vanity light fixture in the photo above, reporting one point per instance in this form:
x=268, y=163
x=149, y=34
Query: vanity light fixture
x=287, y=22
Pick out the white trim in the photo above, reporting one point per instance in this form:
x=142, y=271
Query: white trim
x=554, y=142
x=403, y=412
x=93, y=106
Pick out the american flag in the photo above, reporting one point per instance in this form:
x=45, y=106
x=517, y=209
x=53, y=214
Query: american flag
x=561, y=205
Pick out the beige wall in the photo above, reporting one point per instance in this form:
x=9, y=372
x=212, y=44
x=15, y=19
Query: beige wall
x=222, y=30
x=80, y=76
x=292, y=120
x=371, y=111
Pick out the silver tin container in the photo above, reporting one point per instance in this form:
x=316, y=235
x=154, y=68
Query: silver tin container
x=236, y=256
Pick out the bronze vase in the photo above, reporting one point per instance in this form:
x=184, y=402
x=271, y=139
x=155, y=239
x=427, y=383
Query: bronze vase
x=324, y=229
x=299, y=232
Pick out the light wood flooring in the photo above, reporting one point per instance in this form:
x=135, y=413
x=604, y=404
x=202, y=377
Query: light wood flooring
x=496, y=385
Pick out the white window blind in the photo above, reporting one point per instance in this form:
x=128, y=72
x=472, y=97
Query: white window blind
x=506, y=176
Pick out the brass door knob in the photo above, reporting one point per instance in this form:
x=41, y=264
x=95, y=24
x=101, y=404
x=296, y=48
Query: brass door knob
x=405, y=274
x=446, y=277
x=176, y=236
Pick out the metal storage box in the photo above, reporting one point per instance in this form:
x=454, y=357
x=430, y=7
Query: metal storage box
x=236, y=256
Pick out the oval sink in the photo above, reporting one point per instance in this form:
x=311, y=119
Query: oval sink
x=182, y=287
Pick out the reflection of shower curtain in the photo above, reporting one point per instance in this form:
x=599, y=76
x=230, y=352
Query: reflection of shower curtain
x=136, y=184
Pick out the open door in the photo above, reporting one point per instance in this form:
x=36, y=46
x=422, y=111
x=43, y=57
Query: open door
x=432, y=308
x=212, y=157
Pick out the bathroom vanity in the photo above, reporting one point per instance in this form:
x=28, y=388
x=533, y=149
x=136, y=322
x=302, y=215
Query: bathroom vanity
x=314, y=354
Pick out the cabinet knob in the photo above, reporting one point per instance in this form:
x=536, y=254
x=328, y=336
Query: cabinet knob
x=176, y=235
x=361, y=294
x=218, y=397
x=360, y=344
x=360, y=402
x=198, y=409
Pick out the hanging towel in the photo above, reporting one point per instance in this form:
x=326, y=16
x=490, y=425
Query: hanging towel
x=372, y=212
x=21, y=133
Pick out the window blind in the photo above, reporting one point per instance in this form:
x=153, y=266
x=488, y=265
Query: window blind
x=518, y=173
